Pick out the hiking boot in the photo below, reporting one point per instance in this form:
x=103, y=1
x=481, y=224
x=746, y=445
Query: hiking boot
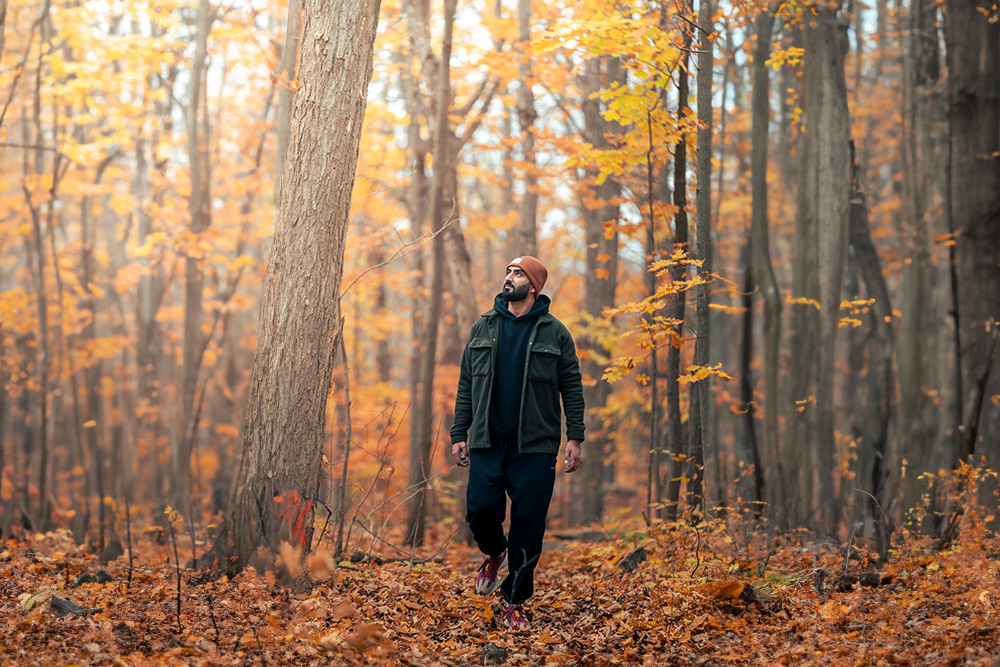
x=489, y=573
x=514, y=618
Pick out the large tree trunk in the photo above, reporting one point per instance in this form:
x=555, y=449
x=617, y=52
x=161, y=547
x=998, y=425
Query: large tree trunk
x=973, y=51
x=762, y=268
x=422, y=439
x=701, y=393
x=300, y=313
x=919, y=417
x=821, y=240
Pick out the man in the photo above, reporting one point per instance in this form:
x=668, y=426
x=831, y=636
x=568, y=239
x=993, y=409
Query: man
x=517, y=363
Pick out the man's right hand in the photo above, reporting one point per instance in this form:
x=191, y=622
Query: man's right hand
x=460, y=452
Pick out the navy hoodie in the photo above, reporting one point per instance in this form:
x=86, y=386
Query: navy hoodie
x=508, y=374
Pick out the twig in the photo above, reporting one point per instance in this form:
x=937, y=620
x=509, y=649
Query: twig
x=211, y=615
x=325, y=523
x=348, y=435
x=128, y=533
x=697, y=549
x=850, y=543
x=260, y=649
x=517, y=575
x=177, y=567
x=400, y=252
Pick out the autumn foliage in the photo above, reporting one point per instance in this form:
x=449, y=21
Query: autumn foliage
x=837, y=505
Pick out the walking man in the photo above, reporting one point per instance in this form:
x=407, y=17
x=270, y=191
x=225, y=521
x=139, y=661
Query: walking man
x=518, y=362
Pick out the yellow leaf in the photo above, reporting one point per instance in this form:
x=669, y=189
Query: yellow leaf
x=547, y=638
x=89, y=424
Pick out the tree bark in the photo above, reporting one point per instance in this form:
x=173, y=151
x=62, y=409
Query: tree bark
x=973, y=53
x=286, y=415
x=701, y=393
x=762, y=268
x=919, y=417
x=821, y=245
x=286, y=75
x=675, y=307
x=872, y=466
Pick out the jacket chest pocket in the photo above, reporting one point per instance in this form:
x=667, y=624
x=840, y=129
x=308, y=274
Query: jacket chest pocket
x=480, y=356
x=543, y=363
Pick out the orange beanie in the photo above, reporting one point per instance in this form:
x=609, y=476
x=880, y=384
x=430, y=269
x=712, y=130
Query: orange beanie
x=534, y=269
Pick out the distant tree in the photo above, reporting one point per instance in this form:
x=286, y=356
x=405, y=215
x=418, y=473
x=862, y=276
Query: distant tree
x=300, y=313
x=599, y=284
x=762, y=268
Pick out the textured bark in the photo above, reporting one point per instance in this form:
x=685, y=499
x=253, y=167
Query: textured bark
x=973, y=52
x=701, y=393
x=762, y=268
x=601, y=214
x=286, y=415
x=919, y=417
x=876, y=410
x=675, y=307
x=286, y=73
x=821, y=246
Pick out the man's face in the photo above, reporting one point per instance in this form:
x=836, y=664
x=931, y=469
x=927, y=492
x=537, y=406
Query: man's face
x=515, y=284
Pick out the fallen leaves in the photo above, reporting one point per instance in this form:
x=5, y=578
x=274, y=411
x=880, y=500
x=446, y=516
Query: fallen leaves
x=587, y=610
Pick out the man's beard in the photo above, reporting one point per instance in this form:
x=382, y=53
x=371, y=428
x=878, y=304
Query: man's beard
x=515, y=294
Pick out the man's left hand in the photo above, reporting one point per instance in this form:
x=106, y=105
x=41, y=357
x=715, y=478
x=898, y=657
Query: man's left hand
x=572, y=459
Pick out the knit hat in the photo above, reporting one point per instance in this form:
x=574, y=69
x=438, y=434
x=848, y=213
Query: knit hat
x=534, y=269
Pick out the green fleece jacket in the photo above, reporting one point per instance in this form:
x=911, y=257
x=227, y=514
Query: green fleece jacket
x=552, y=370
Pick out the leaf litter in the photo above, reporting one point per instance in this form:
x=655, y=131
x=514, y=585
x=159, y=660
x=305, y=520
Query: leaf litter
x=696, y=599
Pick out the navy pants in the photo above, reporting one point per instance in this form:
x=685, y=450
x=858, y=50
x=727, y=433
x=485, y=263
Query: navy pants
x=528, y=479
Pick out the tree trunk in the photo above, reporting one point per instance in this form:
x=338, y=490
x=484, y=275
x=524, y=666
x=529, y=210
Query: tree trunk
x=675, y=307
x=821, y=243
x=876, y=412
x=200, y=208
x=599, y=283
x=422, y=439
x=286, y=74
x=919, y=417
x=299, y=317
x=762, y=268
x=526, y=115
x=701, y=393
x=973, y=51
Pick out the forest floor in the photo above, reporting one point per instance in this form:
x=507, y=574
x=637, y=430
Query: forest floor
x=705, y=596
